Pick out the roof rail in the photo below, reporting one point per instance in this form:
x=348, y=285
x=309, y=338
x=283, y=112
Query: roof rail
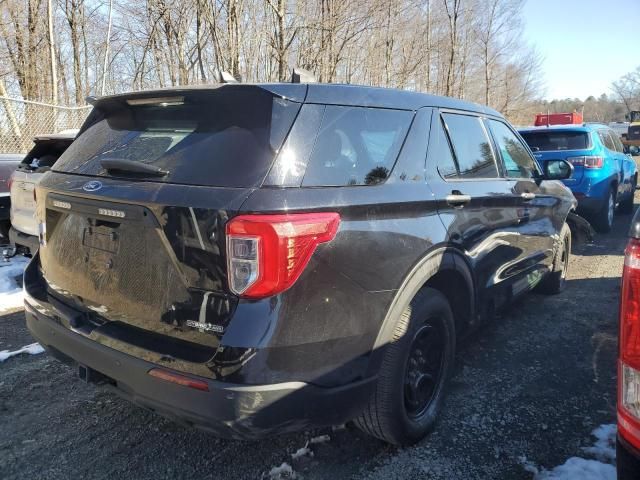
x=300, y=75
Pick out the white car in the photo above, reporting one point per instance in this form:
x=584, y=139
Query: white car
x=45, y=152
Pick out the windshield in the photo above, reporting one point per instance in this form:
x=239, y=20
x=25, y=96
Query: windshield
x=548, y=141
x=227, y=138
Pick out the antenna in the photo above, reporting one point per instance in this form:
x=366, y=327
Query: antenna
x=547, y=117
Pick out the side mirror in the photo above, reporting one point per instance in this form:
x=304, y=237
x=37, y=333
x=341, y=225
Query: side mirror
x=557, y=170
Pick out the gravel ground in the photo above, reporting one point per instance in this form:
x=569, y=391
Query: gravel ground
x=534, y=383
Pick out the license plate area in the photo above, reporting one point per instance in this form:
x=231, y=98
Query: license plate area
x=102, y=238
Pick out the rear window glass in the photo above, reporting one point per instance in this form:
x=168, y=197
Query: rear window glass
x=356, y=146
x=553, y=141
x=226, y=138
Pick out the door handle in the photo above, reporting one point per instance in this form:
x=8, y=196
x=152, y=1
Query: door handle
x=527, y=197
x=457, y=199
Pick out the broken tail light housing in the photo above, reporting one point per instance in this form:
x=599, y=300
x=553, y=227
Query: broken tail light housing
x=267, y=253
x=587, y=161
x=629, y=353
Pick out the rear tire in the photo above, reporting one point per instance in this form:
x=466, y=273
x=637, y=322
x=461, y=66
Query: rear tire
x=603, y=220
x=415, y=368
x=556, y=280
x=626, y=205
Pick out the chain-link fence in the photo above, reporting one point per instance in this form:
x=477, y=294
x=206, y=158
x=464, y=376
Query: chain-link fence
x=21, y=120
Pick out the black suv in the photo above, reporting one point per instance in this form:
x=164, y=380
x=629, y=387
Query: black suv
x=252, y=259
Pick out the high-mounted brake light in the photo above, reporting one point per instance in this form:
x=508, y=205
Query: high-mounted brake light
x=629, y=354
x=267, y=253
x=587, y=161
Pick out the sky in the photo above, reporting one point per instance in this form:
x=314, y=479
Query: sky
x=585, y=44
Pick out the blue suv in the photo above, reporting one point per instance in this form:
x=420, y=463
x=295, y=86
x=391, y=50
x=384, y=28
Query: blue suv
x=604, y=176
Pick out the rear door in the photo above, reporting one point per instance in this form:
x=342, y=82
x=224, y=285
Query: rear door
x=477, y=204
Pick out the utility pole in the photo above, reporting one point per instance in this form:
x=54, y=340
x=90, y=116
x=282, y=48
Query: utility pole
x=106, y=50
x=52, y=53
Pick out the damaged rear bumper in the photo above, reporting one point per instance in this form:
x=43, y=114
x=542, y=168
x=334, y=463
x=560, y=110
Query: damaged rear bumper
x=228, y=410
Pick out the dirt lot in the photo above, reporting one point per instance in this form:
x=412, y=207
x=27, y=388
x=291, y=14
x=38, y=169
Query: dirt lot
x=532, y=384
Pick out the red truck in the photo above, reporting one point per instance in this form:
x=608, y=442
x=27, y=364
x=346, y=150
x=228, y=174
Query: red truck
x=543, y=119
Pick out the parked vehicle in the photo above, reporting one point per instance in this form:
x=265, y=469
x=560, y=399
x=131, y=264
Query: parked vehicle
x=253, y=259
x=628, y=445
x=604, y=176
x=634, y=125
x=42, y=156
x=8, y=163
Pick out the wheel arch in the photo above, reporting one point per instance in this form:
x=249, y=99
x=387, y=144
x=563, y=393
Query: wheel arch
x=443, y=269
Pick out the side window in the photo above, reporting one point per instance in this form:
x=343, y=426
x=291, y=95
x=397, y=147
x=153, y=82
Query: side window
x=606, y=140
x=616, y=141
x=471, y=145
x=356, y=146
x=442, y=153
x=517, y=161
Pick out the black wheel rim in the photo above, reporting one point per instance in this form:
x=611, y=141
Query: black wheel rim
x=424, y=368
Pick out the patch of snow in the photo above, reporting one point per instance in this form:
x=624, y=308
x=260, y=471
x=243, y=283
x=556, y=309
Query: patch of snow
x=319, y=439
x=283, y=471
x=32, y=349
x=11, y=292
x=576, y=468
x=528, y=465
x=605, y=447
x=302, y=452
x=579, y=469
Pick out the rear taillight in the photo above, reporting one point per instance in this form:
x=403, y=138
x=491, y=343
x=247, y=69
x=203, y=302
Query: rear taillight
x=629, y=354
x=10, y=182
x=267, y=253
x=587, y=161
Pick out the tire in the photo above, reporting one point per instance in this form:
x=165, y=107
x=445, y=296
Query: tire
x=626, y=205
x=406, y=401
x=603, y=220
x=556, y=280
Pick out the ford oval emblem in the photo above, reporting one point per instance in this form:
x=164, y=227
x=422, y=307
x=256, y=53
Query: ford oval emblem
x=92, y=186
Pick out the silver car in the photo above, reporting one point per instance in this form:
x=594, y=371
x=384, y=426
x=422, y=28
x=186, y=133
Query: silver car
x=45, y=152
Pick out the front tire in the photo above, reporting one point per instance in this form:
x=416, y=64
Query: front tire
x=556, y=280
x=415, y=368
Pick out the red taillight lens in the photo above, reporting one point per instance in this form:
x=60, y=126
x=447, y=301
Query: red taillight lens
x=179, y=379
x=10, y=182
x=587, y=161
x=267, y=253
x=630, y=306
x=629, y=355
